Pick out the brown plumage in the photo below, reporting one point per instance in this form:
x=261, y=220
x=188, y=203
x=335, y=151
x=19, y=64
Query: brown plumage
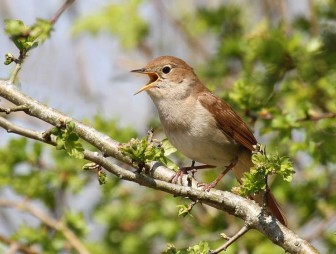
x=198, y=123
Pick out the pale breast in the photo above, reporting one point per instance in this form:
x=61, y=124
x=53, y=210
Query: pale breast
x=195, y=134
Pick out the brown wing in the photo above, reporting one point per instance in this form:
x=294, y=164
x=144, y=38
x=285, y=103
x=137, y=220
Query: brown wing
x=227, y=120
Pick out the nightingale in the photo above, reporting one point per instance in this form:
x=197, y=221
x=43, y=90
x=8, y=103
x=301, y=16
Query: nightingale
x=199, y=124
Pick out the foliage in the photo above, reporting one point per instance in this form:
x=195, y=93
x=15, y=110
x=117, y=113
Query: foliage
x=121, y=20
x=263, y=166
x=67, y=139
x=26, y=37
x=142, y=151
x=201, y=248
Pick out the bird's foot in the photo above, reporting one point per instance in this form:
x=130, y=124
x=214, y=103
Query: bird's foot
x=184, y=170
x=208, y=186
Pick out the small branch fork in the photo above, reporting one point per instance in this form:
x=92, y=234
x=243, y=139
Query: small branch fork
x=231, y=240
x=14, y=109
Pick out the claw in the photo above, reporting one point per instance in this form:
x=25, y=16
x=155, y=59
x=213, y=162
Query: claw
x=184, y=170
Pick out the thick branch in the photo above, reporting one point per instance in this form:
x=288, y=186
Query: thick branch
x=158, y=177
x=253, y=215
x=104, y=143
x=51, y=222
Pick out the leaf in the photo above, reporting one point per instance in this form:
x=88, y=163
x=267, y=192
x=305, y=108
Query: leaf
x=201, y=248
x=16, y=28
x=68, y=140
x=101, y=177
x=168, y=147
x=41, y=30
x=183, y=210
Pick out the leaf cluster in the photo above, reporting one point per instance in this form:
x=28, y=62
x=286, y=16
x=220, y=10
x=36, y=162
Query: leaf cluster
x=264, y=165
x=68, y=140
x=26, y=37
x=143, y=151
x=200, y=248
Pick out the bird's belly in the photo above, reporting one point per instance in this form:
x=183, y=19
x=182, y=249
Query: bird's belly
x=214, y=150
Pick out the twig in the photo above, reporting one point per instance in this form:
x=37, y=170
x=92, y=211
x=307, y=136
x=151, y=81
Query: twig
x=15, y=72
x=51, y=222
x=12, y=128
x=18, y=246
x=317, y=117
x=61, y=10
x=14, y=109
x=23, y=53
x=231, y=240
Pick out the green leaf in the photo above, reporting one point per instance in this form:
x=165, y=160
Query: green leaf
x=101, y=177
x=41, y=30
x=89, y=166
x=16, y=28
x=201, y=248
x=183, y=210
x=167, y=147
x=68, y=140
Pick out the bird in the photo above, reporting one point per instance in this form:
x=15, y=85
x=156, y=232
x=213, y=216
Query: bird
x=201, y=125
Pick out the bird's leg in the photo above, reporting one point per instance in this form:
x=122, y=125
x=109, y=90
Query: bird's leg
x=184, y=170
x=209, y=186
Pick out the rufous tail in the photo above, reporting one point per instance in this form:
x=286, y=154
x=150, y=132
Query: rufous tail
x=243, y=165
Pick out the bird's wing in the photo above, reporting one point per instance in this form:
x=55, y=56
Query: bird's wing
x=227, y=120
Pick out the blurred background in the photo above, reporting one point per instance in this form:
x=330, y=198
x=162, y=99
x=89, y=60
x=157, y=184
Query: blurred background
x=273, y=61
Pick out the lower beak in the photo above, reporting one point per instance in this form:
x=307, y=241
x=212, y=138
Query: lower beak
x=153, y=78
x=146, y=87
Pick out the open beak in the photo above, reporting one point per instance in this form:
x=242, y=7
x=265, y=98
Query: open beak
x=153, y=77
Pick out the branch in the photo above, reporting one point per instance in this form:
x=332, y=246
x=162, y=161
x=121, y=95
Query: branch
x=36, y=109
x=317, y=117
x=61, y=10
x=14, y=109
x=18, y=246
x=232, y=239
x=12, y=128
x=158, y=176
x=51, y=222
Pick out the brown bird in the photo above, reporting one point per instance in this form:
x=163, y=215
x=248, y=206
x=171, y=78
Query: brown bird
x=199, y=124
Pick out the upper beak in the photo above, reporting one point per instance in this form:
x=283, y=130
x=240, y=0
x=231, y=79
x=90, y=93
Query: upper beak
x=153, y=77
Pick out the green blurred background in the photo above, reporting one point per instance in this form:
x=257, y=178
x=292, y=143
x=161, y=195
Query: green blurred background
x=273, y=61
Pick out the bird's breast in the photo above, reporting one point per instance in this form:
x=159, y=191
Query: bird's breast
x=193, y=131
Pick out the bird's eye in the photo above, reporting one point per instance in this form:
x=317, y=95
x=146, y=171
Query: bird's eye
x=166, y=69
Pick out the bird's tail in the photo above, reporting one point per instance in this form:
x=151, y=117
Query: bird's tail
x=243, y=165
